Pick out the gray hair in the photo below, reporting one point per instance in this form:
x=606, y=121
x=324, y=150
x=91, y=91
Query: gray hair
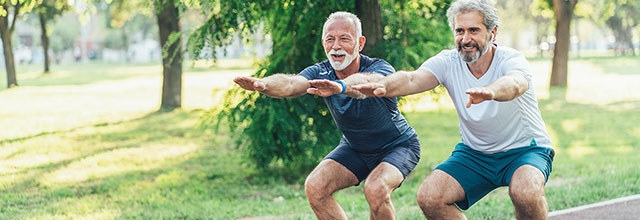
x=344, y=15
x=483, y=6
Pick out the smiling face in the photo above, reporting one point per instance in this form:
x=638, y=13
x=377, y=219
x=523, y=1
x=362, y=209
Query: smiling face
x=471, y=36
x=341, y=44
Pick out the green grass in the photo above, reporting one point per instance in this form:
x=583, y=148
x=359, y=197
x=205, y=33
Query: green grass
x=86, y=142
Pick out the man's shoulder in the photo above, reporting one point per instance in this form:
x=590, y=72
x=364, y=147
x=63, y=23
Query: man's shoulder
x=507, y=51
x=367, y=61
x=375, y=64
x=318, y=70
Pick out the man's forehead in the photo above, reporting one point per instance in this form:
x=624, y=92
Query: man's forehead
x=469, y=19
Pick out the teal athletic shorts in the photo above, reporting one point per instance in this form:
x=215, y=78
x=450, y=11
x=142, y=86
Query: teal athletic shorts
x=404, y=156
x=480, y=173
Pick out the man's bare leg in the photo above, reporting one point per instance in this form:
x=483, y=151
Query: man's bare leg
x=527, y=193
x=327, y=178
x=437, y=195
x=378, y=187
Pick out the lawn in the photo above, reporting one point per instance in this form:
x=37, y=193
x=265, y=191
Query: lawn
x=86, y=142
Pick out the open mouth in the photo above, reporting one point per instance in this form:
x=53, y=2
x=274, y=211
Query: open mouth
x=337, y=56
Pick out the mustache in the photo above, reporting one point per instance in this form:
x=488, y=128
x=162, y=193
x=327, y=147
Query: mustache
x=338, y=52
x=460, y=46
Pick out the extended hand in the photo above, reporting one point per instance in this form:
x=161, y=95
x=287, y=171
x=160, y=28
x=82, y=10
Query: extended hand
x=324, y=88
x=478, y=95
x=371, y=89
x=250, y=83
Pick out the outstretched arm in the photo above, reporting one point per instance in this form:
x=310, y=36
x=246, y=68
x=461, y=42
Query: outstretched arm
x=324, y=88
x=400, y=83
x=277, y=85
x=504, y=88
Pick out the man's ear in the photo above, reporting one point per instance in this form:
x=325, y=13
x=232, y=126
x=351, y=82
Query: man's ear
x=362, y=40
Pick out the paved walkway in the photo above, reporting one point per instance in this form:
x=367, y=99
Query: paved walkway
x=626, y=208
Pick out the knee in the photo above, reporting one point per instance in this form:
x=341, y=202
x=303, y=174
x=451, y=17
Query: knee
x=526, y=193
x=313, y=188
x=427, y=200
x=377, y=191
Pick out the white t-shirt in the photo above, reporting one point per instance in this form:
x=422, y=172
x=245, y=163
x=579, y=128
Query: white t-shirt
x=491, y=126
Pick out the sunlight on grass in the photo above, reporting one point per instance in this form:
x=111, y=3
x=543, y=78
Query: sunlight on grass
x=580, y=150
x=98, y=213
x=623, y=149
x=118, y=162
x=572, y=125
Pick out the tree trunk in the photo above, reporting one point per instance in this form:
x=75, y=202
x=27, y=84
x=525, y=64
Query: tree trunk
x=563, y=10
x=370, y=15
x=168, y=24
x=7, y=46
x=44, y=37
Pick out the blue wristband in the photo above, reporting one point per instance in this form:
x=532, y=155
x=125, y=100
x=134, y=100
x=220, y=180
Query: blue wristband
x=344, y=86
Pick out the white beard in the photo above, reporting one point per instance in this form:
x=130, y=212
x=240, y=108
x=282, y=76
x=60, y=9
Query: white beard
x=347, y=59
x=470, y=57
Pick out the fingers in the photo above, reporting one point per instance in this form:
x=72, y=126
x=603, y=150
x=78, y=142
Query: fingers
x=322, y=83
x=250, y=83
x=478, y=95
x=371, y=89
x=323, y=87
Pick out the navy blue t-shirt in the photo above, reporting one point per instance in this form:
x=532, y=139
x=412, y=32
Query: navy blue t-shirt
x=369, y=125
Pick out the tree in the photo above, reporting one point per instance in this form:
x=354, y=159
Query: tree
x=295, y=133
x=47, y=11
x=563, y=11
x=370, y=13
x=168, y=18
x=621, y=17
x=167, y=13
x=9, y=12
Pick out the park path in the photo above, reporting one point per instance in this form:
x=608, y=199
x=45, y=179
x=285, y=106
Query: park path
x=625, y=208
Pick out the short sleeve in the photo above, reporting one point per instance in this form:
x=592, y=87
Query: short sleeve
x=515, y=62
x=381, y=67
x=310, y=72
x=438, y=65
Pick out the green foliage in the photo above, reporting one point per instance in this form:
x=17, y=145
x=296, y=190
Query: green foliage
x=414, y=30
x=53, y=8
x=224, y=20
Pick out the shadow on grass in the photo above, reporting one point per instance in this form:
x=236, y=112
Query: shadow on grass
x=165, y=168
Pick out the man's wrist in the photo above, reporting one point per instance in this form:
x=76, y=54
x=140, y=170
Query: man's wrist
x=344, y=86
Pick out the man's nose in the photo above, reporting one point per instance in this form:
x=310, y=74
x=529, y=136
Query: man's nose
x=466, y=38
x=336, y=46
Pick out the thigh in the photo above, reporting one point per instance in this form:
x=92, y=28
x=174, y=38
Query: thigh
x=442, y=187
x=473, y=171
x=351, y=160
x=528, y=179
x=538, y=158
x=387, y=175
x=332, y=176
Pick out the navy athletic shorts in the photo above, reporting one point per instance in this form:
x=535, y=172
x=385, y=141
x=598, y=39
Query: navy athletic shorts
x=404, y=156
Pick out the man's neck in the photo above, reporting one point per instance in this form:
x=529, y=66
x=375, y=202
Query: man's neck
x=350, y=70
x=481, y=66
